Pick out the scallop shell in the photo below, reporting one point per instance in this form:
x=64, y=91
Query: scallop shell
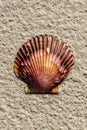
x=43, y=62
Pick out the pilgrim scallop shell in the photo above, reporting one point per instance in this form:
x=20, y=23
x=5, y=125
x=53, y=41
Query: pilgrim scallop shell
x=44, y=62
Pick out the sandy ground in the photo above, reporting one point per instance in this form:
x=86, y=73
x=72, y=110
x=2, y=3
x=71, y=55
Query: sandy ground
x=19, y=21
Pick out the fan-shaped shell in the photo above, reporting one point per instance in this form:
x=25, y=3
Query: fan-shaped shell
x=43, y=61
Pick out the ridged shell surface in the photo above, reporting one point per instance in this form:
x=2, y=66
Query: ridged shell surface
x=43, y=61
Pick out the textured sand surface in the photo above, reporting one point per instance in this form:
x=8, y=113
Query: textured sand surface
x=19, y=21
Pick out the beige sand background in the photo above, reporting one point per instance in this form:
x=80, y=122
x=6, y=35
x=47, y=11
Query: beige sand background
x=19, y=21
